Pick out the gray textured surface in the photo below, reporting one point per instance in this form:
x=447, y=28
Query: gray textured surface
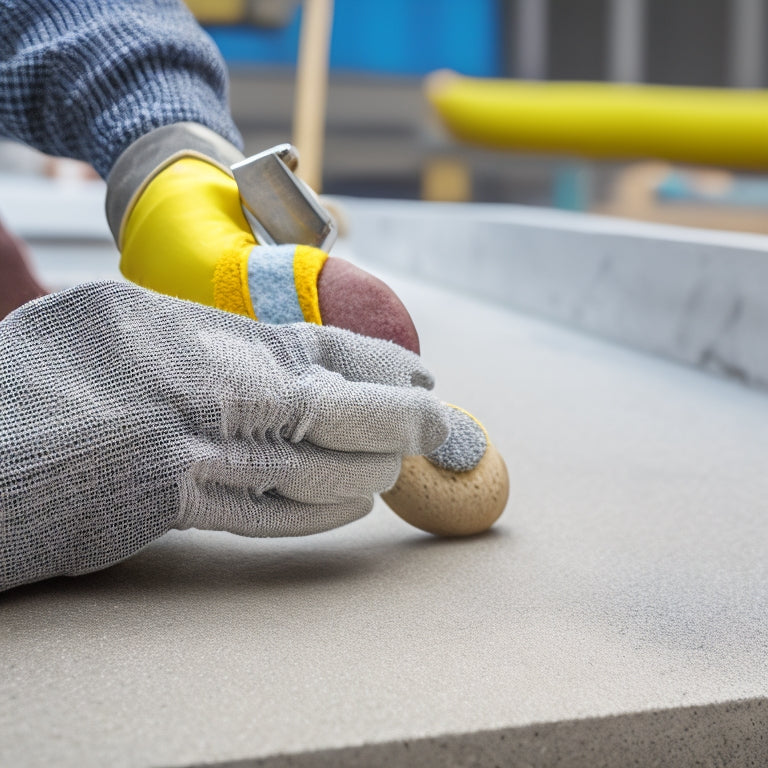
x=628, y=575
x=697, y=296
x=717, y=735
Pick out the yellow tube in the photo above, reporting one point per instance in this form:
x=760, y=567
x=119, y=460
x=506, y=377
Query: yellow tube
x=711, y=126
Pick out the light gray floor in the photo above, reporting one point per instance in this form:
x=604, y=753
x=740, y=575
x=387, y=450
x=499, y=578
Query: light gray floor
x=613, y=616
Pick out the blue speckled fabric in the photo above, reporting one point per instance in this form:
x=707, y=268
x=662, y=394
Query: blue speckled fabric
x=86, y=78
x=465, y=445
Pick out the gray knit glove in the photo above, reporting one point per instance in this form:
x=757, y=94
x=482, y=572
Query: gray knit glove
x=124, y=413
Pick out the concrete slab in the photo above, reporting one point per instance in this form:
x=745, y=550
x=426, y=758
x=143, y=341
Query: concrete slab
x=617, y=615
x=693, y=295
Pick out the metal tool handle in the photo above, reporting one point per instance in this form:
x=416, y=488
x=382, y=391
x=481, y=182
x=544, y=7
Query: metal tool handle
x=279, y=207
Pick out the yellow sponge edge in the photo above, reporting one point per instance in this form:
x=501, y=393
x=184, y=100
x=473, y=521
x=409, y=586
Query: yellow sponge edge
x=230, y=284
x=307, y=263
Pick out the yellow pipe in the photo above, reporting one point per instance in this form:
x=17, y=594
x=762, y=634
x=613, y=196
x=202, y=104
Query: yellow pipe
x=712, y=126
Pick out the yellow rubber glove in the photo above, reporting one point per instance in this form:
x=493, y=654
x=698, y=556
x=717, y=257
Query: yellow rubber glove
x=185, y=235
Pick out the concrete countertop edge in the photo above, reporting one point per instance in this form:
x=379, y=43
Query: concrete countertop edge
x=689, y=736
x=694, y=296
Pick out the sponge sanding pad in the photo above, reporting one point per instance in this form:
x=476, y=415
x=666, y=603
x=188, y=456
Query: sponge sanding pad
x=448, y=503
x=353, y=299
x=462, y=487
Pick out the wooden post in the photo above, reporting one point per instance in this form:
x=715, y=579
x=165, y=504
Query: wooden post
x=312, y=89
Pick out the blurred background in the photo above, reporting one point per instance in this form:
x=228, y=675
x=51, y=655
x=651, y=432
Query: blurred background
x=383, y=139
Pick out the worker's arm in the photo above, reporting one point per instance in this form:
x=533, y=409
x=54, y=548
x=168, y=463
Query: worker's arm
x=125, y=413
x=86, y=78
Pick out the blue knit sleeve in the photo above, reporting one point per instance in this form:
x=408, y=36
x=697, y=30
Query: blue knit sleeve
x=85, y=78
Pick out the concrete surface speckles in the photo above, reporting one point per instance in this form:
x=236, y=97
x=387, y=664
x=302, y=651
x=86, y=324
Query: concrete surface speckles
x=616, y=615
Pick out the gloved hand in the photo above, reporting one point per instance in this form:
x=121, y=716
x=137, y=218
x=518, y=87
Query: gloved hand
x=124, y=413
x=174, y=209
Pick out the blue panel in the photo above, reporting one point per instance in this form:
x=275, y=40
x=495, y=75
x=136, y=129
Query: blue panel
x=246, y=45
x=399, y=37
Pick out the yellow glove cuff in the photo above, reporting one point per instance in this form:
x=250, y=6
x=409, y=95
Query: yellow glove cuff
x=307, y=263
x=230, y=284
x=186, y=236
x=186, y=227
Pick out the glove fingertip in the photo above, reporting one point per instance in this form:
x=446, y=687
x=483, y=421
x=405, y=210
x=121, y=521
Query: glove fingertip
x=434, y=426
x=422, y=378
x=465, y=444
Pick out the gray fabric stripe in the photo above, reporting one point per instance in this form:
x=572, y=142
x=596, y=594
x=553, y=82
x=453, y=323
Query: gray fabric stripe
x=271, y=283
